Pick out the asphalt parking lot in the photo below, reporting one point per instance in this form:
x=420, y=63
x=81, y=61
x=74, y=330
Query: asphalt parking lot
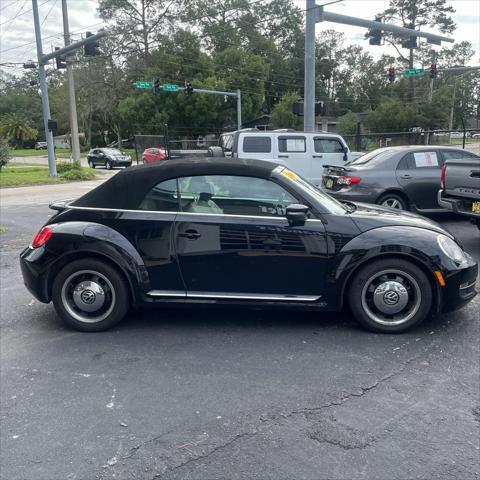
x=212, y=394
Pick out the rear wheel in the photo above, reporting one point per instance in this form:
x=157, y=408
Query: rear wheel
x=390, y=296
x=394, y=201
x=89, y=295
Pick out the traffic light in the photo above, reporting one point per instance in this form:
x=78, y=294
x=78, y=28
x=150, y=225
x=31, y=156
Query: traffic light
x=61, y=60
x=156, y=86
x=391, y=74
x=411, y=42
x=188, y=89
x=375, y=36
x=90, y=49
x=433, y=70
x=319, y=108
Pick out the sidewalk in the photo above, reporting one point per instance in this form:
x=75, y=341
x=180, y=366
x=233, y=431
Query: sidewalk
x=44, y=194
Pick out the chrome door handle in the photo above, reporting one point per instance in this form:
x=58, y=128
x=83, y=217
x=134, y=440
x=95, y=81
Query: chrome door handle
x=283, y=156
x=190, y=234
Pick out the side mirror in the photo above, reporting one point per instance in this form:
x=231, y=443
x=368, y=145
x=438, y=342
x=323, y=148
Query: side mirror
x=296, y=214
x=345, y=153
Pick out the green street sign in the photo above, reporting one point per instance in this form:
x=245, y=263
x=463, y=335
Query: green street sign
x=414, y=72
x=170, y=87
x=144, y=85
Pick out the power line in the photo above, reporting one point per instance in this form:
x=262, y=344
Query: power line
x=46, y=16
x=23, y=13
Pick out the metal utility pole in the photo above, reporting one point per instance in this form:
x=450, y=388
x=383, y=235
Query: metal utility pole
x=309, y=87
x=315, y=13
x=44, y=92
x=239, y=109
x=75, y=143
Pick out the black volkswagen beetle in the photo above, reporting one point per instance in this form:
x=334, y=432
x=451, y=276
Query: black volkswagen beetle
x=247, y=233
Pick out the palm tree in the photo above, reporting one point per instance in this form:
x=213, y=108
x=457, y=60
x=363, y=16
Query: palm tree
x=13, y=127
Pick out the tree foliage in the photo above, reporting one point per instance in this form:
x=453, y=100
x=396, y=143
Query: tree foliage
x=282, y=114
x=16, y=129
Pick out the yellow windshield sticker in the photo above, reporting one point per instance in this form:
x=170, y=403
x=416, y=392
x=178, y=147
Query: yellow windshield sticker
x=289, y=174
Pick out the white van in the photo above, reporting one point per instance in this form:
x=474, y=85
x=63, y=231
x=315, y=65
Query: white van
x=305, y=153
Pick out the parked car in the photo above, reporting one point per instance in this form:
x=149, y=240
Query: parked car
x=155, y=154
x=108, y=158
x=476, y=135
x=248, y=233
x=41, y=146
x=404, y=178
x=306, y=153
x=460, y=188
x=456, y=134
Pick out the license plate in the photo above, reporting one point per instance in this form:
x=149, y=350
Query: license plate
x=476, y=207
x=329, y=183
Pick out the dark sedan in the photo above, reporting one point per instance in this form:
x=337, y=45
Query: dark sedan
x=108, y=158
x=248, y=233
x=404, y=178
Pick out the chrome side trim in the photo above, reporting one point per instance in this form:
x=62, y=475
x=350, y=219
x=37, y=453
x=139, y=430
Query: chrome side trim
x=167, y=293
x=227, y=215
x=235, y=296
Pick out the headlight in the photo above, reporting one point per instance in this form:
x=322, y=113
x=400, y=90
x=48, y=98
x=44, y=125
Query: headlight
x=450, y=248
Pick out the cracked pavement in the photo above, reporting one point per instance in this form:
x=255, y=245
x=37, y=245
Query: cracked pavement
x=201, y=393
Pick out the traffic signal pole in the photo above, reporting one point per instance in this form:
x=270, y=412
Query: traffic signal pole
x=75, y=143
x=44, y=92
x=315, y=13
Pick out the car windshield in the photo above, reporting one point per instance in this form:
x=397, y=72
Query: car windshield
x=112, y=151
x=372, y=158
x=329, y=203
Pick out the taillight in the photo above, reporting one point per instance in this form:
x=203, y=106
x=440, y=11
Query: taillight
x=43, y=236
x=345, y=180
x=442, y=177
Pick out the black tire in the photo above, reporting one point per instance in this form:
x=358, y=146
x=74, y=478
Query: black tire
x=393, y=200
x=108, y=165
x=144, y=161
x=364, y=294
x=115, y=294
x=91, y=164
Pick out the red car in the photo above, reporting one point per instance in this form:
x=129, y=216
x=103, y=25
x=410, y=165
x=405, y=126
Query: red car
x=154, y=154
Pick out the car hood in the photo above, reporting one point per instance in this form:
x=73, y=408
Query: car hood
x=368, y=216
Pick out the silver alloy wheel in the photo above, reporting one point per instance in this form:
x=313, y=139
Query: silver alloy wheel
x=392, y=203
x=88, y=296
x=391, y=297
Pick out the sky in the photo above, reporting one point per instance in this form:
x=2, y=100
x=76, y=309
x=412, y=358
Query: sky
x=17, y=38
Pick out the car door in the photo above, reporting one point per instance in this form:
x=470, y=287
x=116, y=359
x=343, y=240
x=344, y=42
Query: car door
x=233, y=241
x=295, y=152
x=418, y=173
x=94, y=156
x=327, y=151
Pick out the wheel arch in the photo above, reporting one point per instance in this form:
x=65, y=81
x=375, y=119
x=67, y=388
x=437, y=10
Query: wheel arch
x=436, y=291
x=396, y=191
x=64, y=260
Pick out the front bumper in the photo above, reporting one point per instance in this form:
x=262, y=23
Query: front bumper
x=459, y=286
x=457, y=205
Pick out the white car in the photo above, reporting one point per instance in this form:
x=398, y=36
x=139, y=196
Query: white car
x=304, y=152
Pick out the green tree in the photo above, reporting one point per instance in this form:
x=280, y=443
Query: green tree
x=4, y=153
x=391, y=115
x=282, y=114
x=348, y=123
x=17, y=129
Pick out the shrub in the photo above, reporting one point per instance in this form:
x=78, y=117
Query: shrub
x=64, y=167
x=4, y=153
x=77, y=174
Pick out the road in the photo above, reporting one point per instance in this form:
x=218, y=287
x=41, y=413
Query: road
x=212, y=394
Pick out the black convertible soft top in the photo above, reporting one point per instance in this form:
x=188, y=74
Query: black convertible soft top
x=128, y=188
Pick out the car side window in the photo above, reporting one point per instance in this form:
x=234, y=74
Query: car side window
x=454, y=154
x=233, y=195
x=162, y=197
x=421, y=160
x=327, y=145
x=257, y=144
x=292, y=144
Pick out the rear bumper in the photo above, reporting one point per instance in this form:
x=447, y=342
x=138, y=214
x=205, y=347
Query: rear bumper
x=460, y=206
x=34, y=276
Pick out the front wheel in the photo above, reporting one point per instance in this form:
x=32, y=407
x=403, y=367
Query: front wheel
x=108, y=165
x=390, y=296
x=91, y=164
x=89, y=295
